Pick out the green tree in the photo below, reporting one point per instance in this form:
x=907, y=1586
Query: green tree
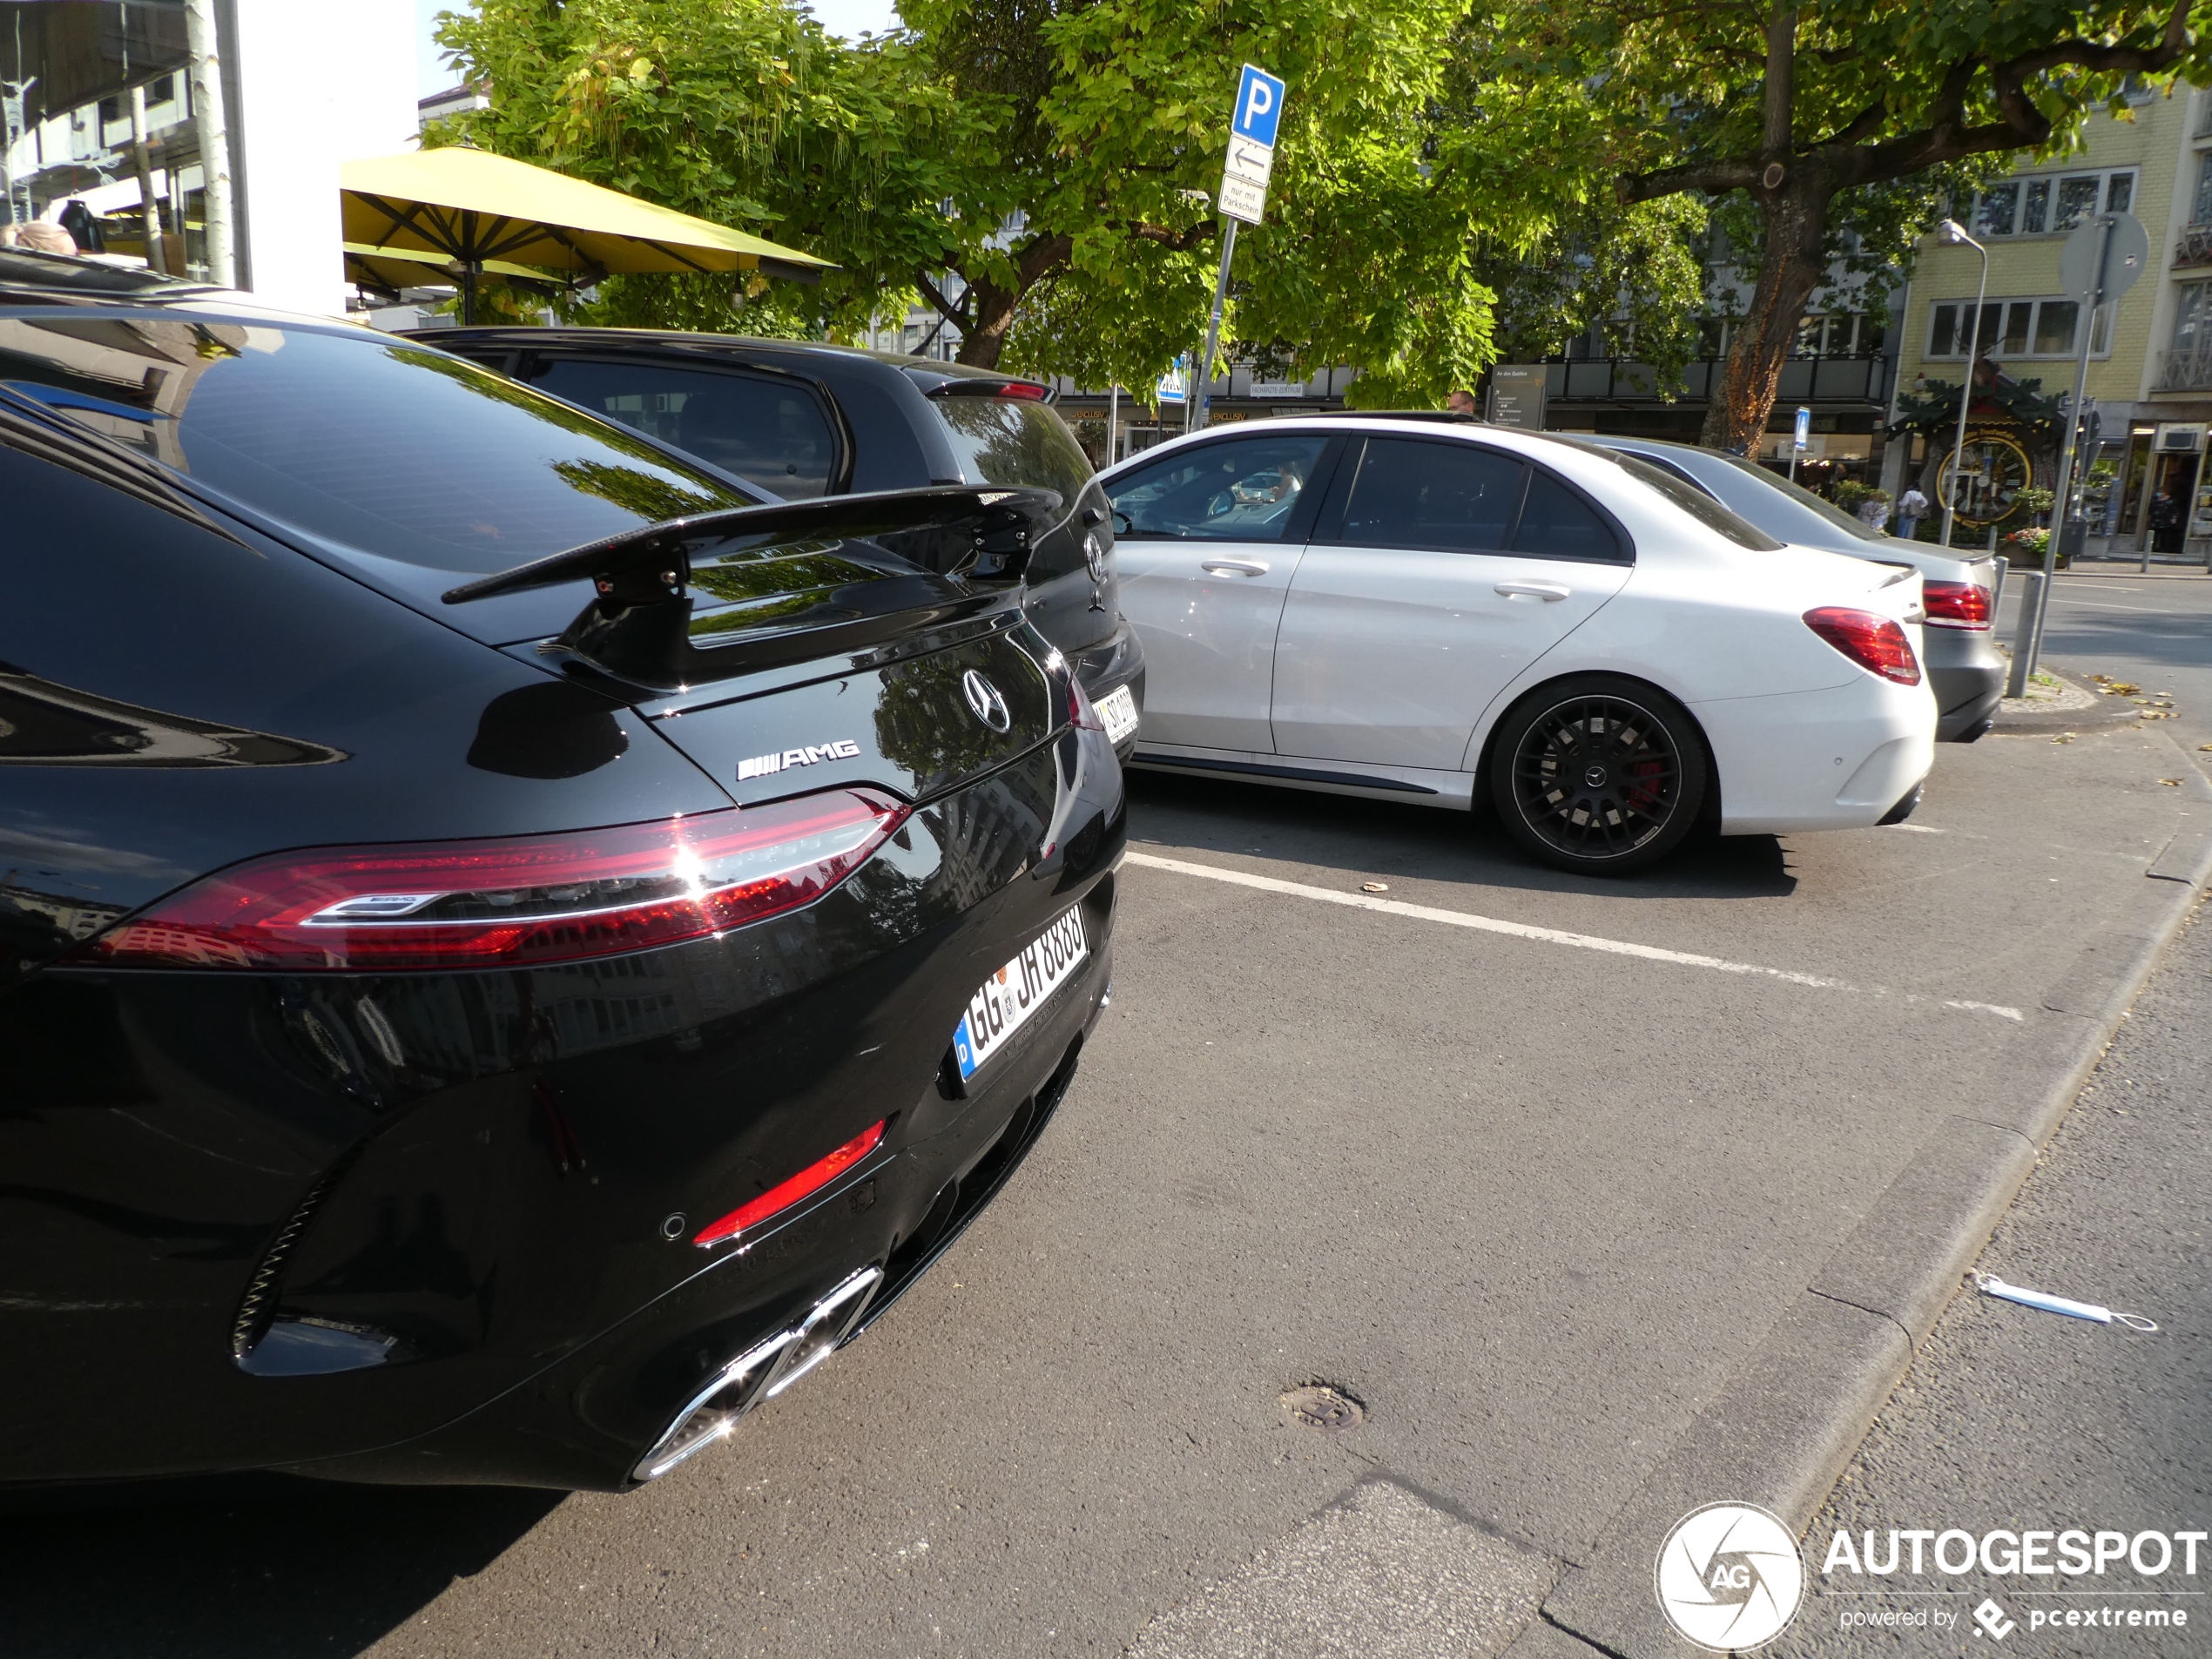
x=1056, y=159
x=740, y=112
x=1823, y=127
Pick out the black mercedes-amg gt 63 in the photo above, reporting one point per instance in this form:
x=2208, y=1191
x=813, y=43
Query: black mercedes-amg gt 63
x=512, y=950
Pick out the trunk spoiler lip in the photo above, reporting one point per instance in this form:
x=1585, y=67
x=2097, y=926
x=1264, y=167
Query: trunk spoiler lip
x=658, y=552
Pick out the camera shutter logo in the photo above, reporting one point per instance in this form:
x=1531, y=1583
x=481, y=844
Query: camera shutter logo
x=1728, y=1576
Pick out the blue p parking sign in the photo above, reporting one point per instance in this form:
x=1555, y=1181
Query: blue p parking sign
x=1259, y=105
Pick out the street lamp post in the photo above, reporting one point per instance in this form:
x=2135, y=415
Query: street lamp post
x=1952, y=233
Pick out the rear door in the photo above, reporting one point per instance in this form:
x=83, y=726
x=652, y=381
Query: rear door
x=771, y=429
x=1443, y=569
x=1208, y=538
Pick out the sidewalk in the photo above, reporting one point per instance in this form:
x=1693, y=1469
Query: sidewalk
x=2019, y=1419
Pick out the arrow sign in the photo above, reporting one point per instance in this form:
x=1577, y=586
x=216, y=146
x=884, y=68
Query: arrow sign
x=1252, y=163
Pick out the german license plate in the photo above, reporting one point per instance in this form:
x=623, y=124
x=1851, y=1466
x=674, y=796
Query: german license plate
x=1117, y=709
x=1005, y=1001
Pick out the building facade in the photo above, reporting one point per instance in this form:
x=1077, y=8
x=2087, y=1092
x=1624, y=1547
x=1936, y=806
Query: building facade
x=100, y=112
x=2149, y=379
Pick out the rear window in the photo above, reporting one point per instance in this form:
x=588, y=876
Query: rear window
x=1014, y=443
x=768, y=430
x=1835, y=516
x=1698, y=505
x=363, y=440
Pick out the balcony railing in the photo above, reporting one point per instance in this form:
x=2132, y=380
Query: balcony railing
x=1622, y=380
x=2184, y=371
x=2196, y=245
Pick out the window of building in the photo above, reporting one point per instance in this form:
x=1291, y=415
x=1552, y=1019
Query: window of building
x=2053, y=204
x=2013, y=328
x=2192, y=333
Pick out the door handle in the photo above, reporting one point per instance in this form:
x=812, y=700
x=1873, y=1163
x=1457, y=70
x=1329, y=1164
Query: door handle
x=1241, y=567
x=1549, y=592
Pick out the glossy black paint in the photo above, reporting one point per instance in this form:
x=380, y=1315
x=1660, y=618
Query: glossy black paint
x=416, y=1226
x=889, y=435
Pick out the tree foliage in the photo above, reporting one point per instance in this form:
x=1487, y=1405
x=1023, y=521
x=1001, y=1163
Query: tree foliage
x=1824, y=128
x=1041, y=172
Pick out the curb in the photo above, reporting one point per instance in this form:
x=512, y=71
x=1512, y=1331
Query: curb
x=2096, y=716
x=1785, y=1426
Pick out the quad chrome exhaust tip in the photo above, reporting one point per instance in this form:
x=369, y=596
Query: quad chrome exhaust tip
x=712, y=1414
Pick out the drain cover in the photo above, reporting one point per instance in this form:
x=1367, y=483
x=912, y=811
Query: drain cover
x=1318, y=1406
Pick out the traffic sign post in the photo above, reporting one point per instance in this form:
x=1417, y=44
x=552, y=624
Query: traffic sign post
x=1244, y=178
x=2099, y=262
x=1801, y=441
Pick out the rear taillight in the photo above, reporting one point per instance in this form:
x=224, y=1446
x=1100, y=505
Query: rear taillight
x=1875, y=642
x=1023, y=391
x=785, y=1194
x=509, y=903
x=1081, y=709
x=1955, y=604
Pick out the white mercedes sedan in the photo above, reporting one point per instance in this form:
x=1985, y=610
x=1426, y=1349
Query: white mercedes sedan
x=1439, y=613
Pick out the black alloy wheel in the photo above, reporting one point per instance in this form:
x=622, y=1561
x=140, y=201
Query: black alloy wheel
x=1598, y=774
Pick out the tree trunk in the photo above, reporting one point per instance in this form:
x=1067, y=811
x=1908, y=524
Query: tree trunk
x=1790, y=273
x=992, y=309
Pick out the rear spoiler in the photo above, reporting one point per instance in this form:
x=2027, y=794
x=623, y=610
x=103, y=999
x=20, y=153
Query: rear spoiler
x=638, y=623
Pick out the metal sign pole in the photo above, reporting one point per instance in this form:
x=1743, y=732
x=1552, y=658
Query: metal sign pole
x=2095, y=294
x=1194, y=402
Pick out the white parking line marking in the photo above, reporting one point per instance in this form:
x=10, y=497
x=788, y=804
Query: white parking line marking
x=1520, y=929
x=1989, y=1008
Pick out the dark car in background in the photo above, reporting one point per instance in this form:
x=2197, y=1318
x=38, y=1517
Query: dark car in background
x=803, y=419
x=515, y=949
x=1966, y=670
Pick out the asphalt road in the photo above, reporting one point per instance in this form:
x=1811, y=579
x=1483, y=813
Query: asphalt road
x=2155, y=631
x=2015, y=1419
x=1524, y=1164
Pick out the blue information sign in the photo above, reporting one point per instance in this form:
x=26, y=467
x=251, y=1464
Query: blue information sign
x=1259, y=105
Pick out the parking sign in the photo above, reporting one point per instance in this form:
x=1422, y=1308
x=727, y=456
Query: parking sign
x=1259, y=106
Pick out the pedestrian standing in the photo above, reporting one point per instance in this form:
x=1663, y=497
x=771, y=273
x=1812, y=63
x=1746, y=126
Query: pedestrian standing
x=1874, y=511
x=2165, y=523
x=1460, y=403
x=1910, y=509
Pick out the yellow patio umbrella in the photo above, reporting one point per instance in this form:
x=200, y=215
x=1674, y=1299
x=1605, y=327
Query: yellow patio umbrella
x=472, y=206
x=394, y=268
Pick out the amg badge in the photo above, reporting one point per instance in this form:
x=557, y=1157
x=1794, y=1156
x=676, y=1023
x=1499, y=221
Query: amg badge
x=761, y=766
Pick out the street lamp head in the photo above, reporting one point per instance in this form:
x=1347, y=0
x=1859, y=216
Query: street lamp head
x=1952, y=233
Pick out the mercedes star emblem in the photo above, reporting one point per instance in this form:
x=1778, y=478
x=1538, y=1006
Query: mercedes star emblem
x=985, y=699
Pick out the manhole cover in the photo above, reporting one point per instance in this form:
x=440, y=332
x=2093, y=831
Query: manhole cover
x=1318, y=1406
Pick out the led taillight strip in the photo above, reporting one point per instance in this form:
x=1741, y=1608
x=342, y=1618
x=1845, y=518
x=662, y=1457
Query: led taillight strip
x=521, y=901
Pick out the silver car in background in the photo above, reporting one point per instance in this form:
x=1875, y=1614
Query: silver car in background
x=1966, y=670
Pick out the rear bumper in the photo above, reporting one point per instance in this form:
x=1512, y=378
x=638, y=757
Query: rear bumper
x=587, y=1422
x=1966, y=674
x=1840, y=758
x=1106, y=667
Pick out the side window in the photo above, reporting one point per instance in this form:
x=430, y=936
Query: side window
x=1556, y=523
x=1456, y=498
x=1236, y=489
x=770, y=431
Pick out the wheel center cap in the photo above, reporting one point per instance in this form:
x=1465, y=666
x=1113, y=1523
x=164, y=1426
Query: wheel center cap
x=1594, y=777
